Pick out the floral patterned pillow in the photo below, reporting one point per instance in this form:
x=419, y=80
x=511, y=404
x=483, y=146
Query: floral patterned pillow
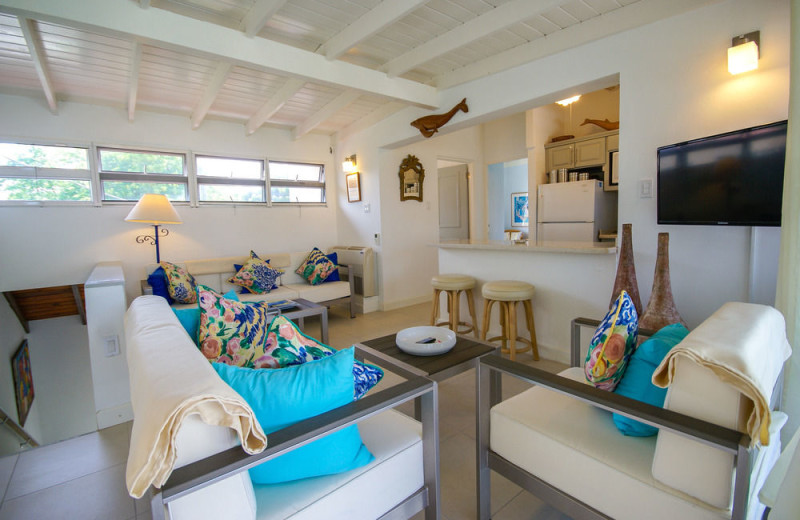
x=612, y=345
x=231, y=332
x=287, y=345
x=256, y=275
x=181, y=285
x=316, y=267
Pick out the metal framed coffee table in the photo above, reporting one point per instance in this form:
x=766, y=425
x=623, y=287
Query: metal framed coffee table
x=303, y=309
x=464, y=355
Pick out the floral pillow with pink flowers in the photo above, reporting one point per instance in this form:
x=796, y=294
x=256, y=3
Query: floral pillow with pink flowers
x=232, y=332
x=287, y=345
x=612, y=345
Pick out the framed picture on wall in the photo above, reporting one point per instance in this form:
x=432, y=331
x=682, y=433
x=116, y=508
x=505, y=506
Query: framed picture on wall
x=23, y=381
x=353, y=187
x=519, y=209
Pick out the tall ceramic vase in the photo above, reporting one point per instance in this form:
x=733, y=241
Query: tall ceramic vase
x=626, y=271
x=661, y=310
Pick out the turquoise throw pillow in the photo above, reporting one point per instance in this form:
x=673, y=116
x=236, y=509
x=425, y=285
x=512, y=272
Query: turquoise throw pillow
x=190, y=318
x=281, y=397
x=637, y=383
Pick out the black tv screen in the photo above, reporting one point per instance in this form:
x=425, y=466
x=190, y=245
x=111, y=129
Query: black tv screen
x=733, y=179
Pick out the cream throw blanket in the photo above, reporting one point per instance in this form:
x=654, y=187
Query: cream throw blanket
x=170, y=380
x=745, y=345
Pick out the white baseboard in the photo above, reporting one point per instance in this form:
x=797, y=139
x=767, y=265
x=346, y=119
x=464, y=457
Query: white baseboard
x=116, y=415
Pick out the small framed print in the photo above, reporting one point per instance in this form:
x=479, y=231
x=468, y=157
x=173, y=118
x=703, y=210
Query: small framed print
x=353, y=187
x=519, y=209
x=23, y=381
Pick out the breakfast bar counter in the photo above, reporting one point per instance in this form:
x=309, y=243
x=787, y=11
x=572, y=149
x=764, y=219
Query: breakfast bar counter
x=570, y=278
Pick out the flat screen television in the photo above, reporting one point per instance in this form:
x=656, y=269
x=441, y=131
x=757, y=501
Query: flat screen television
x=732, y=179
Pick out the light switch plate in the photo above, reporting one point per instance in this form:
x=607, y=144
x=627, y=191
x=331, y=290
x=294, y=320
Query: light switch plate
x=112, y=345
x=646, y=189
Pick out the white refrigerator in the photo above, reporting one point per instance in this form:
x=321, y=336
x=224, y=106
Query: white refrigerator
x=575, y=211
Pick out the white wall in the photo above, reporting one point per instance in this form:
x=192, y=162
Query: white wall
x=674, y=85
x=11, y=336
x=78, y=237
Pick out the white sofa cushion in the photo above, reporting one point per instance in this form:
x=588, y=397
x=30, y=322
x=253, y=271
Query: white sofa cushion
x=321, y=292
x=550, y=435
x=197, y=440
x=364, y=493
x=696, y=391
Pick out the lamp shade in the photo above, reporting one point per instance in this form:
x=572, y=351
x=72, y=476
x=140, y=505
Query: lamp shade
x=154, y=209
x=743, y=58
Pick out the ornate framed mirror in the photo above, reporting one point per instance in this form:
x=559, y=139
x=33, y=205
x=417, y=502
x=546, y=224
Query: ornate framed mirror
x=412, y=174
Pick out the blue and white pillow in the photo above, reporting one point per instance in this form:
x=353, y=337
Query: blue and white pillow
x=256, y=275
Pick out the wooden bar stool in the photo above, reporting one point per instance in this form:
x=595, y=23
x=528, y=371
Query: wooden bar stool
x=454, y=285
x=508, y=293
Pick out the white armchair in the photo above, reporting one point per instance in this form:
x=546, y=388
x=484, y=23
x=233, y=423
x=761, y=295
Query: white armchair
x=558, y=441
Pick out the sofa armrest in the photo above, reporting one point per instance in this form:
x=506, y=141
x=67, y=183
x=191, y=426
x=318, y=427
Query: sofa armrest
x=726, y=439
x=222, y=465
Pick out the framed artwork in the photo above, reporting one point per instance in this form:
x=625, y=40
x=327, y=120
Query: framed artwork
x=23, y=381
x=519, y=209
x=353, y=187
x=412, y=175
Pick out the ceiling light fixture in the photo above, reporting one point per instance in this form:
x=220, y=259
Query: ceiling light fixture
x=569, y=101
x=743, y=53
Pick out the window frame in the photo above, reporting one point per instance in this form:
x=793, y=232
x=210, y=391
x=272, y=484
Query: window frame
x=297, y=184
x=203, y=179
x=155, y=178
x=33, y=172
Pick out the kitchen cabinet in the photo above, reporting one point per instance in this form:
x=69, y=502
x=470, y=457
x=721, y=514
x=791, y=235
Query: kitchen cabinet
x=581, y=152
x=560, y=157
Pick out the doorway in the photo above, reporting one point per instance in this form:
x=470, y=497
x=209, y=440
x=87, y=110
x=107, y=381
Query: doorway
x=454, y=211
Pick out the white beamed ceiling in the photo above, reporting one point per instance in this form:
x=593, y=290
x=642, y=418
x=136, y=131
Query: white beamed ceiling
x=111, y=52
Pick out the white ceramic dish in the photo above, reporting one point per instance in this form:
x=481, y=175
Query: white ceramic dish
x=408, y=340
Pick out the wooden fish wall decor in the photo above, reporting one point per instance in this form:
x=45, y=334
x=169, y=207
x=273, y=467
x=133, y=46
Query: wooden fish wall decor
x=605, y=124
x=429, y=125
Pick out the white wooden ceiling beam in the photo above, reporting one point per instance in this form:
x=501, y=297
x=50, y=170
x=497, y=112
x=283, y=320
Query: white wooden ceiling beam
x=212, y=89
x=492, y=21
x=36, y=51
x=384, y=14
x=259, y=15
x=172, y=31
x=373, y=118
x=613, y=22
x=133, y=80
x=341, y=101
x=274, y=104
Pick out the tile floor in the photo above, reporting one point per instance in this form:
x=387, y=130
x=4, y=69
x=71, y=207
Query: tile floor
x=84, y=477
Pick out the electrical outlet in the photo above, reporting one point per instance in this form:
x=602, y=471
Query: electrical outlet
x=377, y=239
x=112, y=345
x=366, y=208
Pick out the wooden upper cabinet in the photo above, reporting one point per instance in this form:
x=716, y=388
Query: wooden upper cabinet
x=591, y=152
x=560, y=157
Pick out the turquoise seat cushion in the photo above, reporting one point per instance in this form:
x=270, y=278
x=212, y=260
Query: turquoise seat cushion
x=637, y=383
x=281, y=397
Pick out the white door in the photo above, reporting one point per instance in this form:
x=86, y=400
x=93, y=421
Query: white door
x=453, y=203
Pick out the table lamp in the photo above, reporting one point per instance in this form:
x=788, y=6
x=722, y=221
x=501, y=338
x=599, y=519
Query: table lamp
x=156, y=210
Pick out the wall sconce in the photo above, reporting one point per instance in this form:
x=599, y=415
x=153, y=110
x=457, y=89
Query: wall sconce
x=349, y=164
x=568, y=101
x=156, y=210
x=744, y=52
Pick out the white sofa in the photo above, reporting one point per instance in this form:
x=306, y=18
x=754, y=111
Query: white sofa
x=558, y=440
x=215, y=272
x=210, y=480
